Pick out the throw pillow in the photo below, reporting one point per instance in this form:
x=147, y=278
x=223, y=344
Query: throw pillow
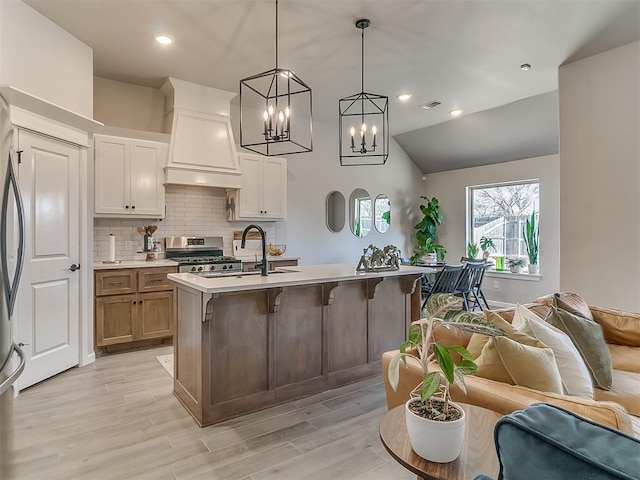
x=572, y=303
x=518, y=359
x=588, y=338
x=573, y=371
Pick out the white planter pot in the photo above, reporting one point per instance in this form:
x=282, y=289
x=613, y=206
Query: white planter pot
x=516, y=269
x=430, y=258
x=439, y=442
x=534, y=268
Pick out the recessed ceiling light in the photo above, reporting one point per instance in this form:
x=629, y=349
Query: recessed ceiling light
x=525, y=67
x=428, y=105
x=455, y=113
x=163, y=39
x=403, y=97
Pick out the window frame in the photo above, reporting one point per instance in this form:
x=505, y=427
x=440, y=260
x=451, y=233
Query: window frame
x=470, y=207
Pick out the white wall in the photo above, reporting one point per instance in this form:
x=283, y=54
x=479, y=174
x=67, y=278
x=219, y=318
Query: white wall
x=42, y=59
x=128, y=105
x=451, y=189
x=599, y=172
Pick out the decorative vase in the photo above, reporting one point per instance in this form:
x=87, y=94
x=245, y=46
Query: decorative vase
x=435, y=441
x=515, y=269
x=499, y=262
x=534, y=268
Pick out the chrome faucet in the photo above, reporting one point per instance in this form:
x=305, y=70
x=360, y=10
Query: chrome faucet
x=263, y=236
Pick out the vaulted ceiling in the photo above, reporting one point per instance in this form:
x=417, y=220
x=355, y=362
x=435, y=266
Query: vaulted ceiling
x=464, y=54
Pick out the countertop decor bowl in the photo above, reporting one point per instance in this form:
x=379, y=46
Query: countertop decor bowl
x=276, y=250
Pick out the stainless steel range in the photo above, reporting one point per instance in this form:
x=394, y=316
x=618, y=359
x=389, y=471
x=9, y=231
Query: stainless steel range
x=200, y=255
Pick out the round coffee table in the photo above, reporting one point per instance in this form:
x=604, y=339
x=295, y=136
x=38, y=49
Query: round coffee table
x=478, y=452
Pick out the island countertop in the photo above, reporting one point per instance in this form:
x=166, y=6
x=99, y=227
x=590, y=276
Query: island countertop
x=299, y=275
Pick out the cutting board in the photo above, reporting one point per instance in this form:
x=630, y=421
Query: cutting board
x=252, y=248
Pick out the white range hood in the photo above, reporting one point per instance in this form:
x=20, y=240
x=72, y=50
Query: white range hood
x=202, y=150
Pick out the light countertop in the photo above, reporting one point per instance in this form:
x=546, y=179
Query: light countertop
x=301, y=275
x=134, y=264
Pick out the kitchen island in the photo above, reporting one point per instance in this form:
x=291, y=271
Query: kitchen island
x=243, y=343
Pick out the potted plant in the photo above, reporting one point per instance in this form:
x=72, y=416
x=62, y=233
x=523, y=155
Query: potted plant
x=516, y=264
x=472, y=250
x=485, y=244
x=435, y=424
x=426, y=233
x=531, y=234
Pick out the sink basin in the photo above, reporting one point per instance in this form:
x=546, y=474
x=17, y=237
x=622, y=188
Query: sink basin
x=240, y=274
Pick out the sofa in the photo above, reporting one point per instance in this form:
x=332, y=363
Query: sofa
x=618, y=407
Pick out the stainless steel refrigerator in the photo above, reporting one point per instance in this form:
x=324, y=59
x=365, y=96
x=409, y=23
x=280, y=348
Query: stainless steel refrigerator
x=12, y=233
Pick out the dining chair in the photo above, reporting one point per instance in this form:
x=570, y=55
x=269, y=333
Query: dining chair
x=470, y=277
x=445, y=282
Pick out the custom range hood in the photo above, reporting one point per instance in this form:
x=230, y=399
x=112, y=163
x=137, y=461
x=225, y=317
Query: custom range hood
x=202, y=150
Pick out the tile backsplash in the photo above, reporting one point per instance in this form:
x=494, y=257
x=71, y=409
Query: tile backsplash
x=190, y=211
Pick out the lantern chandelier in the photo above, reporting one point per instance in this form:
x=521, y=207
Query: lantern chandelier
x=275, y=111
x=368, y=114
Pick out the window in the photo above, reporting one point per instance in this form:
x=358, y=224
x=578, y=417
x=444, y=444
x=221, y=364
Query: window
x=499, y=212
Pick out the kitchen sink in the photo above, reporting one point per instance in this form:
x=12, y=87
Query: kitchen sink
x=240, y=274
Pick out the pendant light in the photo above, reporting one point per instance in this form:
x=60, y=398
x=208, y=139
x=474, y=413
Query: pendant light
x=275, y=111
x=364, y=122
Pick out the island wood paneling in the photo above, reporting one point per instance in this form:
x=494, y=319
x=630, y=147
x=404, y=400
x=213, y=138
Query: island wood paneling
x=239, y=345
x=264, y=347
x=386, y=330
x=188, y=350
x=347, y=326
x=298, y=335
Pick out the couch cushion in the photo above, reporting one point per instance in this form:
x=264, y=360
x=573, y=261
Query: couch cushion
x=625, y=391
x=625, y=358
x=546, y=442
x=569, y=301
x=518, y=359
x=587, y=336
x=575, y=376
x=621, y=328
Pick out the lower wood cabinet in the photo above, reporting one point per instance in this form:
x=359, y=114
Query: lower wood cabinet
x=144, y=313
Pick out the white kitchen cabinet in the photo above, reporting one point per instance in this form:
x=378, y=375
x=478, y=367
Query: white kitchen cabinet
x=263, y=195
x=129, y=177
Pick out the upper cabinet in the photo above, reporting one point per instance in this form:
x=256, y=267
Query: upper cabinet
x=129, y=177
x=263, y=195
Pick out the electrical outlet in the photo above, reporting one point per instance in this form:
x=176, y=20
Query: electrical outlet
x=128, y=246
x=496, y=285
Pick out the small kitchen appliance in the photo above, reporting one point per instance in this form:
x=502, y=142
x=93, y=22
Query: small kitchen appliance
x=200, y=255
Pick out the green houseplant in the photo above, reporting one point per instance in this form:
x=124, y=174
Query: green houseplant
x=516, y=264
x=485, y=244
x=531, y=234
x=431, y=405
x=472, y=250
x=426, y=231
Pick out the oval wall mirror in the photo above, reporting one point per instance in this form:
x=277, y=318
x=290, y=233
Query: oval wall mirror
x=335, y=211
x=360, y=212
x=382, y=210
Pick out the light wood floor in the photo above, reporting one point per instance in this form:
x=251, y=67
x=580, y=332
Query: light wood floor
x=117, y=419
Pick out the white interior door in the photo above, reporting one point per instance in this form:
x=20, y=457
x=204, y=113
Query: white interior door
x=48, y=298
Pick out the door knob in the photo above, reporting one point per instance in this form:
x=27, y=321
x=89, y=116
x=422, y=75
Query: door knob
x=74, y=267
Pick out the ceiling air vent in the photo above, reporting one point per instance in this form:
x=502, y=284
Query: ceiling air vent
x=428, y=105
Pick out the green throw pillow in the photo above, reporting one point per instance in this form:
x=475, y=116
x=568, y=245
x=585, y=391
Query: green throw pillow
x=588, y=338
